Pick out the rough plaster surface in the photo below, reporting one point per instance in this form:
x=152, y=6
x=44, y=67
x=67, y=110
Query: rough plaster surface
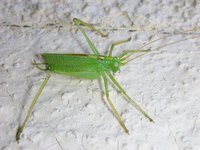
x=71, y=113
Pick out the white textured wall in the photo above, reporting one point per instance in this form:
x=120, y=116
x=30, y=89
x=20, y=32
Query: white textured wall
x=71, y=113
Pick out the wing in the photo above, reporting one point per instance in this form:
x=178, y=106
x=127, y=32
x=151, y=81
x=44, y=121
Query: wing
x=78, y=65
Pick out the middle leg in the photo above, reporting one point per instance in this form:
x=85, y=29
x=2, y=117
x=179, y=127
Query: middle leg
x=113, y=109
x=117, y=43
x=129, y=98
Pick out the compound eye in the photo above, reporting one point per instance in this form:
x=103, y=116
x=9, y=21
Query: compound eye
x=116, y=64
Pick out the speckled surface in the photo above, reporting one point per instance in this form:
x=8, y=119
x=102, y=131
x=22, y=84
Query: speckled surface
x=71, y=113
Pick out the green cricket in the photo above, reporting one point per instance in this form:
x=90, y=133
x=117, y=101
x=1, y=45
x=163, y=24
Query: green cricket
x=87, y=66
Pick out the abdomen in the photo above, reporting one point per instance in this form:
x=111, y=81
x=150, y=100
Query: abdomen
x=79, y=65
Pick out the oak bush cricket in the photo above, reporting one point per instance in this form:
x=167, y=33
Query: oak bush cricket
x=89, y=66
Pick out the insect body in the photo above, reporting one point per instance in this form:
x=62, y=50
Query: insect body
x=81, y=65
x=90, y=66
x=86, y=66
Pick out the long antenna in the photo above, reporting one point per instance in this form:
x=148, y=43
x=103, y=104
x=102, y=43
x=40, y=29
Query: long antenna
x=159, y=47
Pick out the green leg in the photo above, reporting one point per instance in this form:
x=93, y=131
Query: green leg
x=112, y=106
x=20, y=129
x=117, y=43
x=79, y=22
x=129, y=98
